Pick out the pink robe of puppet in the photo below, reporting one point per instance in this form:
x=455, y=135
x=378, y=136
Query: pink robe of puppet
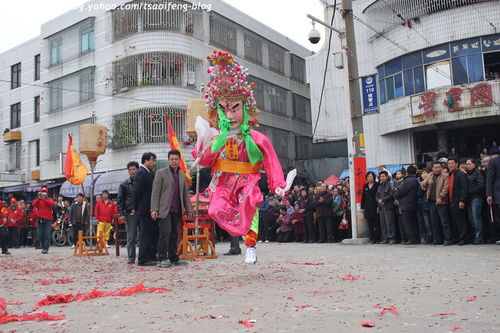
x=234, y=198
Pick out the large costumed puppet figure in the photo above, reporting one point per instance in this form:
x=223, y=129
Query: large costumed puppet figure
x=235, y=152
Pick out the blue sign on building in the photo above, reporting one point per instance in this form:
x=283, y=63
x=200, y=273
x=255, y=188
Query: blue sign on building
x=370, y=101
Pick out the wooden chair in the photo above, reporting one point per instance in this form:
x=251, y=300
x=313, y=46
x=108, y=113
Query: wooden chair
x=196, y=245
x=81, y=249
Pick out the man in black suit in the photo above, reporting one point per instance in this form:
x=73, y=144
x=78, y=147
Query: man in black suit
x=406, y=194
x=459, y=190
x=142, y=206
x=493, y=195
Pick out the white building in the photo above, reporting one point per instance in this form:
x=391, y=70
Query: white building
x=416, y=51
x=132, y=67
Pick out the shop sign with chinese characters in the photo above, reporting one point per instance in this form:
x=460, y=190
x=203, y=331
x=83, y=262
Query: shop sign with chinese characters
x=455, y=99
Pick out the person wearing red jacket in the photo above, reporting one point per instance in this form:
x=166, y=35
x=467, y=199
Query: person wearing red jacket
x=4, y=233
x=104, y=213
x=43, y=212
x=14, y=217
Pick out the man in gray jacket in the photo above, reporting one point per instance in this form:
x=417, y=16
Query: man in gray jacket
x=169, y=199
x=385, y=200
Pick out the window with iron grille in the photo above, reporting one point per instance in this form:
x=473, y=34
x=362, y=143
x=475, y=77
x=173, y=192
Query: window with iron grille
x=58, y=137
x=87, y=85
x=87, y=38
x=37, y=67
x=56, y=51
x=253, y=47
x=15, y=115
x=276, y=97
x=258, y=91
x=298, y=68
x=222, y=32
x=14, y=162
x=36, y=109
x=156, y=68
x=301, y=108
x=125, y=21
x=303, y=145
x=276, y=58
x=280, y=142
x=15, y=76
x=147, y=125
x=55, y=96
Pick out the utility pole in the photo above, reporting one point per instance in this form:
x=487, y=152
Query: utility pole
x=355, y=133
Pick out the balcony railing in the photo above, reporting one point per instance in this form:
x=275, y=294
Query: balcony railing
x=384, y=15
x=147, y=125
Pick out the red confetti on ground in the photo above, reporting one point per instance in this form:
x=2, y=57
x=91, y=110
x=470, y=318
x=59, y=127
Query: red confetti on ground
x=196, y=259
x=26, y=271
x=350, y=277
x=456, y=328
x=61, y=298
x=367, y=324
x=247, y=323
x=383, y=310
x=307, y=263
x=6, y=318
x=65, y=280
x=290, y=298
x=303, y=306
x=445, y=314
x=471, y=298
x=44, y=282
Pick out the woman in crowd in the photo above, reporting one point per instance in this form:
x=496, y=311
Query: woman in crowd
x=423, y=214
x=338, y=213
x=285, y=226
x=306, y=204
x=369, y=207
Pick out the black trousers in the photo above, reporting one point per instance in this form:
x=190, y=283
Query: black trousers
x=285, y=237
x=75, y=228
x=168, y=237
x=235, y=244
x=459, y=220
x=325, y=225
x=14, y=237
x=309, y=232
x=374, y=228
x=409, y=222
x=4, y=239
x=148, y=239
x=263, y=226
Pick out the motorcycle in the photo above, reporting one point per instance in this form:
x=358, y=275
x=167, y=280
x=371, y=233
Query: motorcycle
x=61, y=231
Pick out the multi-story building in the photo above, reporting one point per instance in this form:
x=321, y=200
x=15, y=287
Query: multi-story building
x=429, y=75
x=129, y=66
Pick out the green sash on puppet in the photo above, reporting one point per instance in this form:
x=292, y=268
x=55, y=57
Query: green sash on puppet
x=254, y=153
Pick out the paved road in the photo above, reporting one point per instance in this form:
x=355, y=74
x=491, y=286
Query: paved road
x=416, y=282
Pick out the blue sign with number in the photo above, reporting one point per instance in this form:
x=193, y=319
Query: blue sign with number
x=370, y=101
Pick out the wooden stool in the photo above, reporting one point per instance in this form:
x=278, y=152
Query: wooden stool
x=196, y=246
x=81, y=249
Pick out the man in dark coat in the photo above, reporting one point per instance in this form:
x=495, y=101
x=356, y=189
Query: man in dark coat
x=323, y=202
x=406, y=194
x=142, y=206
x=458, y=192
x=493, y=194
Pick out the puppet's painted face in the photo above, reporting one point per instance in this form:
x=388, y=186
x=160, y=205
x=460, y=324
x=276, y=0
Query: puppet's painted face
x=233, y=111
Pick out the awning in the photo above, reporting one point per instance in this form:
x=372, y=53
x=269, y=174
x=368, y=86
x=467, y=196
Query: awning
x=392, y=168
x=110, y=181
x=332, y=180
x=32, y=188
x=13, y=189
x=69, y=190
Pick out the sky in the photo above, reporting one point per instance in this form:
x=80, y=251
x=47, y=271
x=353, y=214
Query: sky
x=285, y=16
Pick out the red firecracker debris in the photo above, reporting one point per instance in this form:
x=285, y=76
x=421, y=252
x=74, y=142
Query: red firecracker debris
x=303, y=306
x=350, y=277
x=471, y=298
x=456, y=328
x=367, y=323
x=247, y=323
x=308, y=263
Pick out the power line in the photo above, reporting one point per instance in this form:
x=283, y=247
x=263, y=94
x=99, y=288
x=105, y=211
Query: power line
x=326, y=69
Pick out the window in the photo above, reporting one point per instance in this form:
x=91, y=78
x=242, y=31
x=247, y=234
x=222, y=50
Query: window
x=222, y=32
x=87, y=85
x=492, y=65
x=37, y=109
x=34, y=154
x=37, y=67
x=55, y=95
x=15, y=76
x=253, y=47
x=15, y=115
x=56, y=51
x=301, y=108
x=14, y=162
x=438, y=75
x=276, y=58
x=87, y=38
x=297, y=68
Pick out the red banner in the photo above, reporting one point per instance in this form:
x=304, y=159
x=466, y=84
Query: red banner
x=359, y=176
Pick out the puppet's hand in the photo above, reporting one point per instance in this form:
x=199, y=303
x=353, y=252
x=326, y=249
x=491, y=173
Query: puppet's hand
x=280, y=192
